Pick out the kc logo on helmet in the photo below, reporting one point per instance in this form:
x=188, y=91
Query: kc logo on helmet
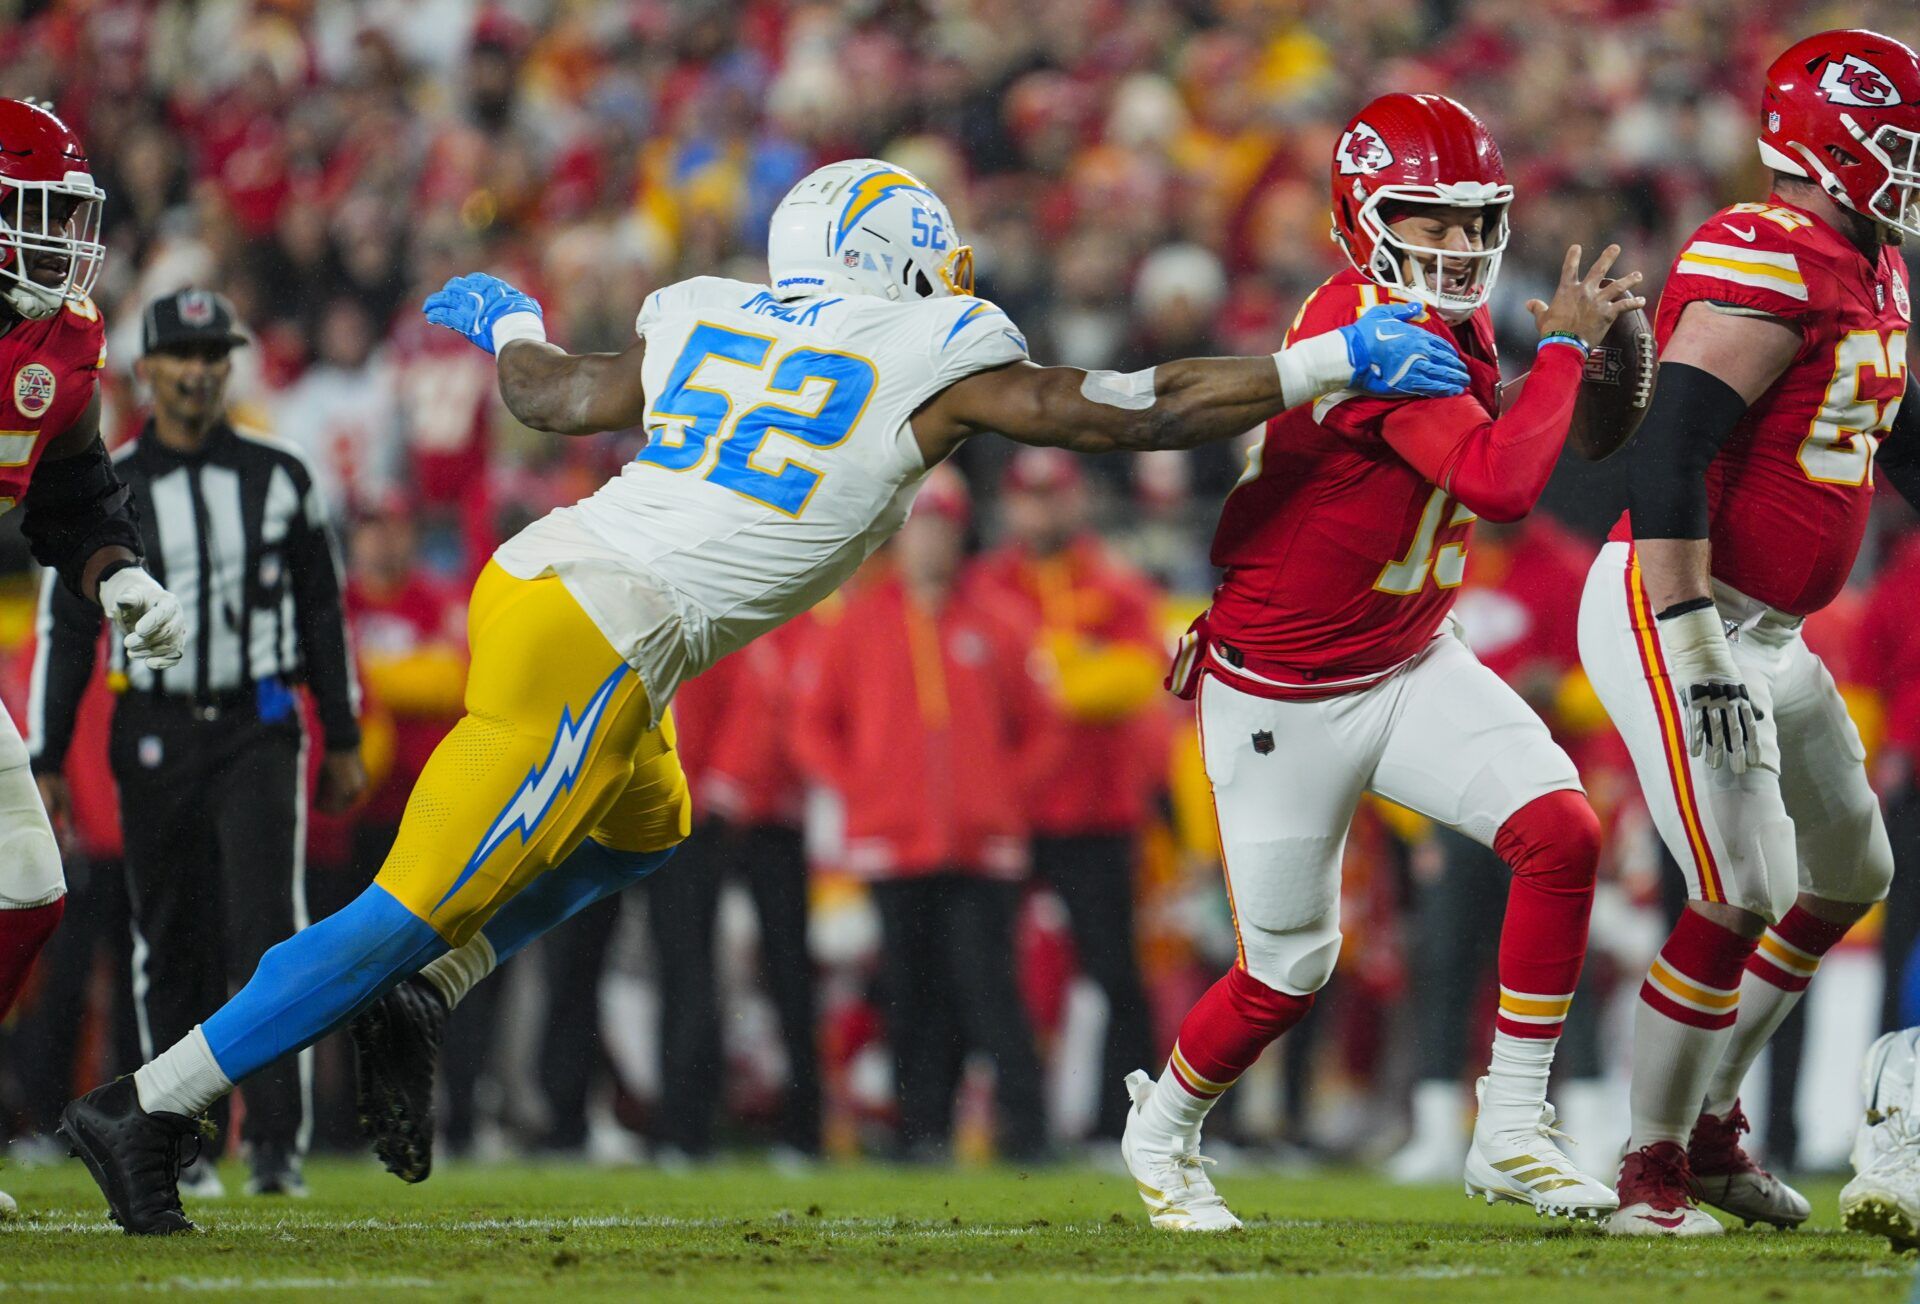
x=33, y=390
x=1852, y=80
x=1362, y=150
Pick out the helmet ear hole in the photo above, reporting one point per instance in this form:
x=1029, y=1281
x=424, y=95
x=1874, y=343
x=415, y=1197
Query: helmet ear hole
x=1841, y=158
x=921, y=285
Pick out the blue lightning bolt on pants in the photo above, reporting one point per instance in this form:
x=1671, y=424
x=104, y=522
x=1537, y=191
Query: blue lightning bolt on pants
x=557, y=751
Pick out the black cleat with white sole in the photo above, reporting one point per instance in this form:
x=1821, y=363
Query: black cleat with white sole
x=134, y=1156
x=396, y=1049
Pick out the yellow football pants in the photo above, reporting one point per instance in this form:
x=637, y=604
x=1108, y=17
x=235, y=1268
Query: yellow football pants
x=554, y=748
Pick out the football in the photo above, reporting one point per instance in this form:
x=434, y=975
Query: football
x=1617, y=389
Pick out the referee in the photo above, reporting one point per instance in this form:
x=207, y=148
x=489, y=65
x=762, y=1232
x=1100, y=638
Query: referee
x=210, y=754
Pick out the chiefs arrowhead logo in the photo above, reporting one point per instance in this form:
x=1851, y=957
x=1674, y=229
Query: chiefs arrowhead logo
x=1362, y=150
x=1852, y=80
x=33, y=390
x=1901, y=303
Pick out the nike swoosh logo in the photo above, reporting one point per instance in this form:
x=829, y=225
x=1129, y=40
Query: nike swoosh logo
x=1673, y=1221
x=1746, y=235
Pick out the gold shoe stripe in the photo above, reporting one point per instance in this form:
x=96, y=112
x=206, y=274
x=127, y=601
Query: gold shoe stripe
x=1148, y=1191
x=1557, y=1183
x=1508, y=1165
x=1535, y=1174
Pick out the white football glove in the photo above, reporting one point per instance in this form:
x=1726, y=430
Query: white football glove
x=1722, y=722
x=149, y=617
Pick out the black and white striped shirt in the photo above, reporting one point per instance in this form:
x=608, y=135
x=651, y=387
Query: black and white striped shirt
x=238, y=532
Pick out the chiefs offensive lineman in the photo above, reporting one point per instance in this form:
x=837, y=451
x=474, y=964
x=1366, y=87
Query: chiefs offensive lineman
x=1326, y=667
x=55, y=468
x=1783, y=343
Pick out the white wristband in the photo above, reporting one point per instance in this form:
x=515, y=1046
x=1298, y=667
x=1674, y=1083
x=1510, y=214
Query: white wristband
x=518, y=326
x=1313, y=367
x=1696, y=647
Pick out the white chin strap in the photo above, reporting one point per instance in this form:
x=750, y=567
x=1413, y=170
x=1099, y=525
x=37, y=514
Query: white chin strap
x=32, y=301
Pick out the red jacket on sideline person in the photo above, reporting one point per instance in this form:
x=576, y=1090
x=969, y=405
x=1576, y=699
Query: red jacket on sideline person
x=930, y=726
x=1098, y=626
x=735, y=727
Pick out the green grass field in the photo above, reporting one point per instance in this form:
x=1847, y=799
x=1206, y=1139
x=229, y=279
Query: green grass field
x=865, y=1232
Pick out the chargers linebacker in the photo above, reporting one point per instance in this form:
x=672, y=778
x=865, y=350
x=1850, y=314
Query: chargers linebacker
x=53, y=465
x=1783, y=361
x=789, y=427
x=1326, y=667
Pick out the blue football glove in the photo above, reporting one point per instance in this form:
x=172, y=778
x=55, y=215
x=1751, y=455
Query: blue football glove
x=1392, y=357
x=486, y=310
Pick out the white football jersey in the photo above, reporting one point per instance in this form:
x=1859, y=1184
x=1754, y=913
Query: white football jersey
x=779, y=457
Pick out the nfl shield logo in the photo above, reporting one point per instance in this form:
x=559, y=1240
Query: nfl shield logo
x=196, y=308
x=33, y=390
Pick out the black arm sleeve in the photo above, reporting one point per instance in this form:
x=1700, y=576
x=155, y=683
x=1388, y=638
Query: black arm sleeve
x=75, y=507
x=1693, y=413
x=313, y=563
x=1899, y=456
x=68, y=644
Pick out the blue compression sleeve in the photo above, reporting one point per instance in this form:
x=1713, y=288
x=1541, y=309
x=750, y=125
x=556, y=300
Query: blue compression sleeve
x=592, y=873
x=317, y=979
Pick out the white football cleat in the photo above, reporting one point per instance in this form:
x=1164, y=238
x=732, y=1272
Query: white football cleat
x=1170, y=1171
x=1657, y=1196
x=8, y=1209
x=1525, y=1166
x=1883, y=1199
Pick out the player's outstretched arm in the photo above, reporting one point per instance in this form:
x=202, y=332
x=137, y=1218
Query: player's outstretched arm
x=1193, y=401
x=1715, y=365
x=543, y=385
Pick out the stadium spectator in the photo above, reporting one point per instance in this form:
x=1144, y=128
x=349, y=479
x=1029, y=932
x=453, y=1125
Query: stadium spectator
x=1098, y=632
x=921, y=712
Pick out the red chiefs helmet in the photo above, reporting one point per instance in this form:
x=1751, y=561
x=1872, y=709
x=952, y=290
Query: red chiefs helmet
x=1842, y=109
x=50, y=246
x=1420, y=149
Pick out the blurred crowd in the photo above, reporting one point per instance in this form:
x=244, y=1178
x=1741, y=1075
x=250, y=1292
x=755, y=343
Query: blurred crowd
x=970, y=748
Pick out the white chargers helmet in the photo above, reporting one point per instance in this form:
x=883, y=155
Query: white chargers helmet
x=864, y=226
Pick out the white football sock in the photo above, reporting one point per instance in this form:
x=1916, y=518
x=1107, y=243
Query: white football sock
x=183, y=1079
x=460, y=970
x=1516, y=1083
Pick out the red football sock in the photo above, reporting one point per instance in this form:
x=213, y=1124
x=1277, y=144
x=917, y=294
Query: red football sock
x=22, y=934
x=1553, y=846
x=1226, y=1030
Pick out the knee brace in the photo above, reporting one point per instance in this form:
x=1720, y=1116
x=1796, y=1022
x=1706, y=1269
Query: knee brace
x=1298, y=961
x=1553, y=842
x=30, y=873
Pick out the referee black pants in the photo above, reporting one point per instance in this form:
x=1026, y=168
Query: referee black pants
x=214, y=812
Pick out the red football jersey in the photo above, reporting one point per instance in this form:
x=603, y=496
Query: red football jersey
x=1341, y=559
x=49, y=370
x=1788, y=493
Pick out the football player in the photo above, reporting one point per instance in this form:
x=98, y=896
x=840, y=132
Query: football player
x=789, y=426
x=53, y=466
x=1783, y=359
x=1327, y=668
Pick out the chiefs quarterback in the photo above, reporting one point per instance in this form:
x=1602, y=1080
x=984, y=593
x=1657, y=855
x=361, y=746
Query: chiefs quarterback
x=1327, y=667
x=1783, y=345
x=54, y=467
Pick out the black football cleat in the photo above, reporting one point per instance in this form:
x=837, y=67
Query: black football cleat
x=396, y=1050
x=134, y=1156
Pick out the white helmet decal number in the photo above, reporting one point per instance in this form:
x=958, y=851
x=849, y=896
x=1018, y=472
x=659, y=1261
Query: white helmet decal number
x=1852, y=80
